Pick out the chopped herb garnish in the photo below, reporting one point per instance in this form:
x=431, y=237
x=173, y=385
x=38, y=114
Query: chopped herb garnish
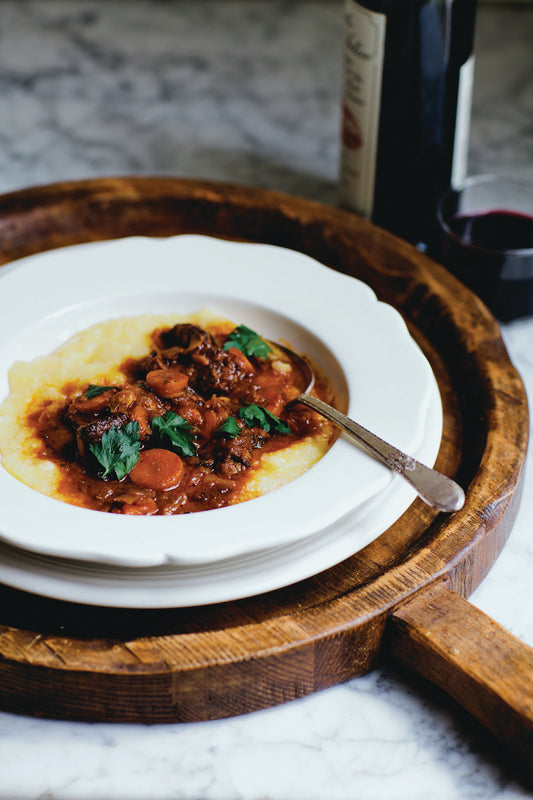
x=173, y=428
x=118, y=450
x=94, y=391
x=253, y=415
x=248, y=342
x=230, y=428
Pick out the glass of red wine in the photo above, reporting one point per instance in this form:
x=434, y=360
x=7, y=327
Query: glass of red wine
x=487, y=241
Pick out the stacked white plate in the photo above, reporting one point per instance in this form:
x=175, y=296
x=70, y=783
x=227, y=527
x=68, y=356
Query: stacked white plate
x=337, y=507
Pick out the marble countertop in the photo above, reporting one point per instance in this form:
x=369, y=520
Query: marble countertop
x=97, y=88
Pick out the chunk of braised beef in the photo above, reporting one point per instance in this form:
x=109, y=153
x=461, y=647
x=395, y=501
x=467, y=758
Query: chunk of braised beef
x=132, y=402
x=190, y=406
x=212, y=492
x=185, y=336
x=177, y=346
x=138, y=394
x=231, y=456
x=219, y=374
x=211, y=370
x=140, y=404
x=82, y=409
x=91, y=433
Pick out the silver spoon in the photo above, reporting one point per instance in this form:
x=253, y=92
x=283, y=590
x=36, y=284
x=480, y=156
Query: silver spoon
x=435, y=489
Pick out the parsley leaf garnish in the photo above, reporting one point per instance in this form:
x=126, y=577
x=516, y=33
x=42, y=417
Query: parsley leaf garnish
x=93, y=390
x=248, y=342
x=257, y=415
x=230, y=428
x=118, y=450
x=176, y=430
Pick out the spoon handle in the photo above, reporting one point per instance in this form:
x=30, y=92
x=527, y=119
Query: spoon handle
x=435, y=489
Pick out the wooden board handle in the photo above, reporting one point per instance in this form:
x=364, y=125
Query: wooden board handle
x=481, y=665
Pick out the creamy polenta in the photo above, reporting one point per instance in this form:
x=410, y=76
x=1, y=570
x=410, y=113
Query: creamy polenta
x=180, y=394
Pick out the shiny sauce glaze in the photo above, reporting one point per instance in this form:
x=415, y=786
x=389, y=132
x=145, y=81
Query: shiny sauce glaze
x=185, y=428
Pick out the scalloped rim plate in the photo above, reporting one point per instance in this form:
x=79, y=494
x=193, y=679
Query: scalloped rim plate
x=378, y=371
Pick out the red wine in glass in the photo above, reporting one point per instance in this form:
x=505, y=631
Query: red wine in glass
x=491, y=251
x=496, y=229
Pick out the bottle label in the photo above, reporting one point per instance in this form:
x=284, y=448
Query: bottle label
x=363, y=72
x=462, y=124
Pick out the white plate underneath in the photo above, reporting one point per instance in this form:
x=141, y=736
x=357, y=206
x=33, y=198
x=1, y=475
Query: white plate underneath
x=172, y=586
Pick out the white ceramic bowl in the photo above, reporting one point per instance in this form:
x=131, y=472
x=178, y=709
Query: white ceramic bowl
x=379, y=373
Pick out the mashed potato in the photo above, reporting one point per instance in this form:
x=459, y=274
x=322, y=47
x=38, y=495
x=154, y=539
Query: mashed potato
x=93, y=356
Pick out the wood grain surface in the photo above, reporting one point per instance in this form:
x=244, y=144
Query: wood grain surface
x=484, y=668
x=71, y=661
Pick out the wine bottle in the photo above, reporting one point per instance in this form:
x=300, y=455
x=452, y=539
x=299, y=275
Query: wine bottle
x=408, y=72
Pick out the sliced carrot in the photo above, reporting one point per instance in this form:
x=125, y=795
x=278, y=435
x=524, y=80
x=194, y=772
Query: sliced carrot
x=157, y=469
x=88, y=405
x=167, y=382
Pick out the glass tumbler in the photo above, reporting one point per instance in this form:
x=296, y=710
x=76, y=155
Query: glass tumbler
x=486, y=240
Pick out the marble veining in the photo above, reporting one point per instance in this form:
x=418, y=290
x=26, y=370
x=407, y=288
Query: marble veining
x=96, y=88
x=248, y=91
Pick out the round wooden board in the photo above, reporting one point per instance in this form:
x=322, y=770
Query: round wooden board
x=77, y=662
